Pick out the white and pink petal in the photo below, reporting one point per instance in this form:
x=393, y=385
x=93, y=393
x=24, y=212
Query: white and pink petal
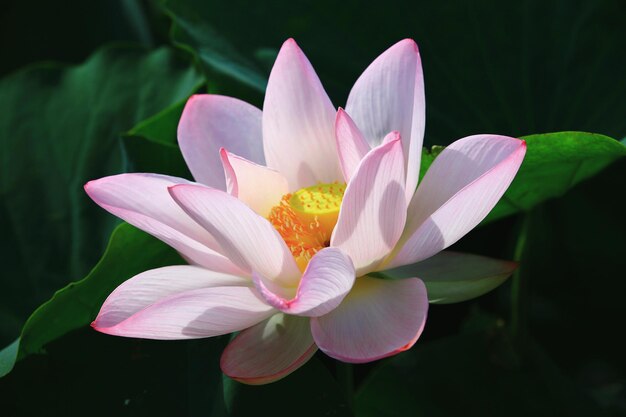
x=379, y=318
x=143, y=201
x=147, y=288
x=196, y=313
x=210, y=122
x=246, y=238
x=269, y=350
x=261, y=188
x=461, y=187
x=328, y=278
x=388, y=96
x=298, y=122
x=373, y=211
x=351, y=144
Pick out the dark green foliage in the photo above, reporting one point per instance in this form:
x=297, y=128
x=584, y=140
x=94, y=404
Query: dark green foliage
x=512, y=68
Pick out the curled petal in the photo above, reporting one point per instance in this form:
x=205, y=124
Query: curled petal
x=269, y=350
x=379, y=318
x=326, y=281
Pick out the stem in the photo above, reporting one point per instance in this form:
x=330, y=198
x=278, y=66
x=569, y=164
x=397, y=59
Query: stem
x=519, y=290
x=345, y=377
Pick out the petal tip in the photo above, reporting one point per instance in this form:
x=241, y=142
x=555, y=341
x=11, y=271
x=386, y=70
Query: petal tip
x=393, y=139
x=100, y=329
x=291, y=43
x=88, y=185
x=410, y=42
x=189, y=104
x=173, y=190
x=341, y=117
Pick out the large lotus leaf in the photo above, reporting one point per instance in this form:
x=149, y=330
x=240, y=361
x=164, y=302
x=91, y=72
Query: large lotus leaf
x=60, y=127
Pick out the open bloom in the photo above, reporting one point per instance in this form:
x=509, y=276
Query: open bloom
x=295, y=213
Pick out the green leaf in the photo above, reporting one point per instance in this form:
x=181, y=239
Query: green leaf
x=60, y=127
x=470, y=375
x=452, y=277
x=428, y=156
x=8, y=357
x=554, y=163
x=130, y=252
x=220, y=59
x=151, y=146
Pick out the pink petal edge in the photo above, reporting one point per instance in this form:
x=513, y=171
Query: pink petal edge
x=351, y=144
x=147, y=288
x=193, y=314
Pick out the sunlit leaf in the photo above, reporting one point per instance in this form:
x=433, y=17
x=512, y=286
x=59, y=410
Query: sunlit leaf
x=554, y=163
x=151, y=146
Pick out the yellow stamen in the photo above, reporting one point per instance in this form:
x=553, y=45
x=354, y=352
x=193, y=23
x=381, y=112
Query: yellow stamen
x=306, y=219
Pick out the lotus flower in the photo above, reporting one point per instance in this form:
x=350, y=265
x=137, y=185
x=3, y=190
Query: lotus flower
x=301, y=214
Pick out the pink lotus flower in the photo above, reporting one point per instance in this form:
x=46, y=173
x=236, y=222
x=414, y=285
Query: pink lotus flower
x=281, y=249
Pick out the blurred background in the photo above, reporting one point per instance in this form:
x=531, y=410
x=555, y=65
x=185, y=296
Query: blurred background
x=94, y=88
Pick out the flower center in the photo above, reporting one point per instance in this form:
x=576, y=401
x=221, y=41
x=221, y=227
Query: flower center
x=306, y=218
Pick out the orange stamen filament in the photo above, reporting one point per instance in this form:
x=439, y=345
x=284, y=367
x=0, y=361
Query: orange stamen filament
x=306, y=219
